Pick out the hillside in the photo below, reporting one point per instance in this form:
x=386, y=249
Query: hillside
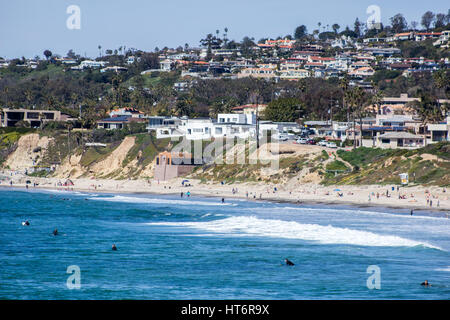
x=132, y=157
x=426, y=166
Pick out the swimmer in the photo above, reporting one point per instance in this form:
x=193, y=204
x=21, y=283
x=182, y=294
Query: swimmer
x=223, y=200
x=114, y=248
x=425, y=284
x=55, y=232
x=289, y=262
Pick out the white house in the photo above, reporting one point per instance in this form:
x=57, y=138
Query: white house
x=439, y=131
x=90, y=64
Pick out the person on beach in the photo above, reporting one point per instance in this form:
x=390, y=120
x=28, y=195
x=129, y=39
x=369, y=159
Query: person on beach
x=181, y=194
x=412, y=211
x=188, y=194
x=289, y=262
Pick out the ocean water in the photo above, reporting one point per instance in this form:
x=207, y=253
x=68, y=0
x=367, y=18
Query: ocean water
x=199, y=248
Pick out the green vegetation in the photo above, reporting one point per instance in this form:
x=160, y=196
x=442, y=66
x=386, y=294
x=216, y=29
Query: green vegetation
x=428, y=166
x=93, y=155
x=8, y=141
x=145, y=149
x=336, y=166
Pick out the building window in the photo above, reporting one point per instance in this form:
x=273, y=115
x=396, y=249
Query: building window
x=385, y=141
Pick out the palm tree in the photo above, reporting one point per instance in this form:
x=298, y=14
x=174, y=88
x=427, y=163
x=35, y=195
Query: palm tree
x=336, y=28
x=428, y=108
x=350, y=98
x=28, y=96
x=116, y=81
x=41, y=117
x=442, y=81
x=377, y=99
x=360, y=109
x=100, y=50
x=343, y=84
x=5, y=91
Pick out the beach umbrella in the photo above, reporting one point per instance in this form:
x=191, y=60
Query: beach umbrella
x=68, y=183
x=337, y=190
x=184, y=181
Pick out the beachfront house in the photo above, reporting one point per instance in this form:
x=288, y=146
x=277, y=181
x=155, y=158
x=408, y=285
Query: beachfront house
x=403, y=140
x=171, y=165
x=35, y=118
x=439, y=131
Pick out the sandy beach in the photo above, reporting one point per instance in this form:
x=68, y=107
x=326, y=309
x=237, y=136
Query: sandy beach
x=406, y=197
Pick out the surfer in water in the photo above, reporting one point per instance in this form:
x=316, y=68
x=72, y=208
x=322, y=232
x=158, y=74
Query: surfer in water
x=425, y=284
x=289, y=262
x=55, y=232
x=26, y=223
x=114, y=248
x=223, y=200
x=412, y=211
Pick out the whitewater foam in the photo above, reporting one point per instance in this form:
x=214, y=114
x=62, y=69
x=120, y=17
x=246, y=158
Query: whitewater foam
x=444, y=269
x=127, y=199
x=253, y=226
x=360, y=212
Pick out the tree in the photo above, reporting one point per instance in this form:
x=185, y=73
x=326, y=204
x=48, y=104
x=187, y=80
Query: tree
x=428, y=108
x=336, y=28
x=211, y=42
x=427, y=19
x=300, y=32
x=47, y=54
x=414, y=25
x=398, y=23
x=343, y=84
x=357, y=28
x=356, y=98
x=442, y=81
x=100, y=50
x=377, y=98
x=440, y=20
x=284, y=110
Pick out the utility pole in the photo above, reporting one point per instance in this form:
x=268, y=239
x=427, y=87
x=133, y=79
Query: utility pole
x=257, y=125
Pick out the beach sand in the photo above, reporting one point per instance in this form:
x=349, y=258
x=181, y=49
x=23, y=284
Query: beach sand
x=412, y=197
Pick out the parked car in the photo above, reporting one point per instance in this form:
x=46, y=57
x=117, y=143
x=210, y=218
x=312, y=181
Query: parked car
x=302, y=140
x=323, y=143
x=331, y=145
x=311, y=141
x=282, y=137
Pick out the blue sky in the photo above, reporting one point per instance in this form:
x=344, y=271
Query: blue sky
x=28, y=27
